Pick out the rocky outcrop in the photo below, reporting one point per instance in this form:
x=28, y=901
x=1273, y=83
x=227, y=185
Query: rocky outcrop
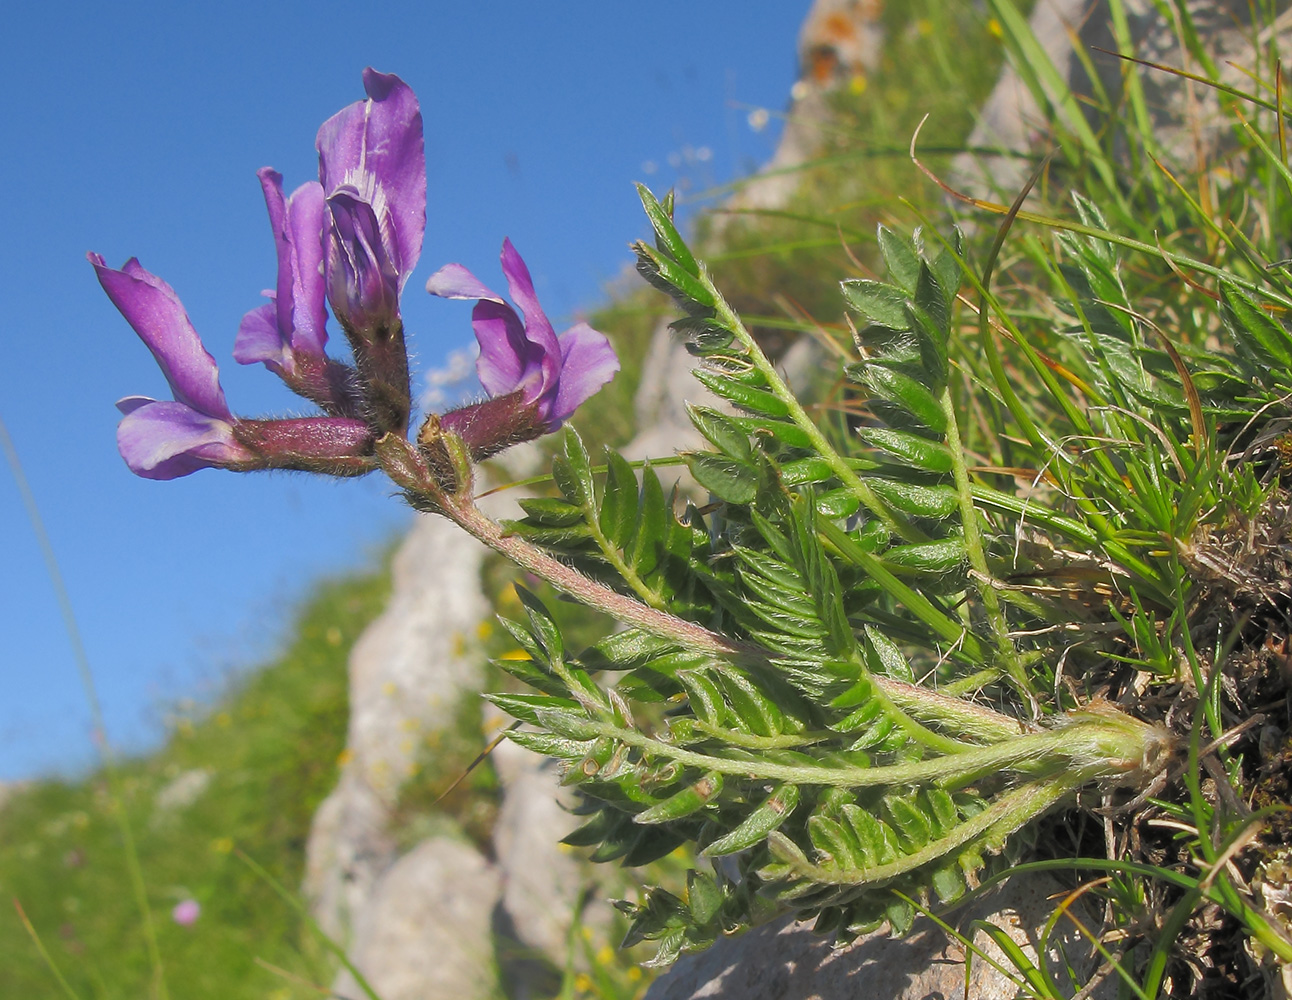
x=426, y=930
x=840, y=43
x=409, y=672
x=1189, y=125
x=788, y=961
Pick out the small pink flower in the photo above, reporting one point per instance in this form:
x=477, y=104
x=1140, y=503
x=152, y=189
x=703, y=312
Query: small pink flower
x=186, y=913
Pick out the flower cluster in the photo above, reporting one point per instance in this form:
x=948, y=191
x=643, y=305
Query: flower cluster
x=349, y=240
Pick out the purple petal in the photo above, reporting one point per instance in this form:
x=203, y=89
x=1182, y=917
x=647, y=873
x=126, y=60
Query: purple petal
x=453, y=281
x=158, y=317
x=507, y=358
x=271, y=183
x=165, y=440
x=259, y=339
x=377, y=145
x=587, y=363
x=306, y=214
x=298, y=223
x=363, y=279
x=128, y=404
x=538, y=329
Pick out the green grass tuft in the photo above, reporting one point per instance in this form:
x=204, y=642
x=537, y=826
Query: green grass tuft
x=271, y=748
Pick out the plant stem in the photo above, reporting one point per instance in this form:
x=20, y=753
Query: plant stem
x=1006, y=652
x=1084, y=749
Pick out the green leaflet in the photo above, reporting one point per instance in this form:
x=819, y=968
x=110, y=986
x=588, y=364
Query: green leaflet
x=912, y=449
x=900, y=258
x=619, y=501
x=722, y=432
x=899, y=389
x=774, y=811
x=880, y=303
x=725, y=478
x=667, y=239
x=663, y=271
x=690, y=799
x=747, y=397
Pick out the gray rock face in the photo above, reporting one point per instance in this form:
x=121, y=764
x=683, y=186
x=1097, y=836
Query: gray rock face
x=1188, y=123
x=541, y=883
x=408, y=673
x=183, y=790
x=787, y=961
x=839, y=40
x=426, y=933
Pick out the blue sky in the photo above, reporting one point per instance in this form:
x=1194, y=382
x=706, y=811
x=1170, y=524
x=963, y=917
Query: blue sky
x=136, y=130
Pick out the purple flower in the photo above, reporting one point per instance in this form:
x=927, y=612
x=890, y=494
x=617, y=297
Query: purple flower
x=164, y=439
x=186, y=912
x=535, y=378
x=293, y=324
x=372, y=167
x=289, y=333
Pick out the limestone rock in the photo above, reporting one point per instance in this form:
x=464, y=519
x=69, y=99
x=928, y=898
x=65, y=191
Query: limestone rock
x=409, y=672
x=1188, y=123
x=840, y=41
x=8, y=789
x=348, y=849
x=666, y=385
x=426, y=933
x=411, y=667
x=541, y=883
x=787, y=961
